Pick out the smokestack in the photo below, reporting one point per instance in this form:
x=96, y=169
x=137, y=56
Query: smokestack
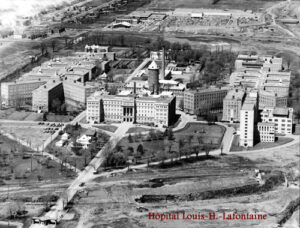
x=134, y=88
x=163, y=64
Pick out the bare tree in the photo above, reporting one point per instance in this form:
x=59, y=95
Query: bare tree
x=53, y=45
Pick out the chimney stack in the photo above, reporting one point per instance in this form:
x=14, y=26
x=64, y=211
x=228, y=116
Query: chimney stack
x=163, y=64
x=134, y=88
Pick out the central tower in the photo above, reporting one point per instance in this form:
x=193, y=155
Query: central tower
x=153, y=78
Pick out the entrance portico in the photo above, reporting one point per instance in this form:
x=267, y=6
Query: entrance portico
x=128, y=113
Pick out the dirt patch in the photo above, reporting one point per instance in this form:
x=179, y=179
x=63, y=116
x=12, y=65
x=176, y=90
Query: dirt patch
x=274, y=179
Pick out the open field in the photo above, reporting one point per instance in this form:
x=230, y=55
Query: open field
x=221, y=4
x=19, y=165
x=12, y=114
x=31, y=133
x=114, y=201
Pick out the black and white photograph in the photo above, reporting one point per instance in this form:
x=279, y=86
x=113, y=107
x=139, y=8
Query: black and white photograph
x=149, y=113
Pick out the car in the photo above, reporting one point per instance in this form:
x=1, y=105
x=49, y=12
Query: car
x=81, y=184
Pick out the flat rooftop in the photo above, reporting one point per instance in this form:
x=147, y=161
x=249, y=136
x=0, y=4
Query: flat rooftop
x=235, y=94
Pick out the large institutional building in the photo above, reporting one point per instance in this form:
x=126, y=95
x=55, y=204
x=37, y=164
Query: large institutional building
x=68, y=74
x=232, y=105
x=202, y=99
x=157, y=109
x=266, y=77
x=18, y=93
x=282, y=118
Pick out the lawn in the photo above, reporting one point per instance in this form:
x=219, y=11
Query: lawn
x=137, y=130
x=31, y=133
x=59, y=118
x=194, y=138
x=12, y=114
x=109, y=128
x=261, y=145
x=212, y=134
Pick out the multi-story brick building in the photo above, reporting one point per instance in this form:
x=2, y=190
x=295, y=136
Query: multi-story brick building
x=281, y=117
x=43, y=96
x=18, y=93
x=201, y=99
x=271, y=99
x=247, y=125
x=232, y=105
x=158, y=109
x=266, y=132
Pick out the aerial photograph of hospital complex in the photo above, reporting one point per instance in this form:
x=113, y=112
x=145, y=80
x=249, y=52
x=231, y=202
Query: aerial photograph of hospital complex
x=149, y=113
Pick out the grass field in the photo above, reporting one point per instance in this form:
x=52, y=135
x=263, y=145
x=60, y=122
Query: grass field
x=31, y=133
x=109, y=128
x=157, y=146
x=12, y=114
x=137, y=130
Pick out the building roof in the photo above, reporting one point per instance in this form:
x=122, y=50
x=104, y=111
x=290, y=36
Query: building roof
x=48, y=86
x=266, y=124
x=248, y=106
x=280, y=111
x=235, y=94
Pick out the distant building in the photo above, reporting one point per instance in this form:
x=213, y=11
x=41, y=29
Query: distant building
x=18, y=93
x=281, y=117
x=76, y=92
x=266, y=132
x=232, y=105
x=201, y=99
x=127, y=19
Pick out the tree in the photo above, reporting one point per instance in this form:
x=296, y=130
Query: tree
x=53, y=45
x=170, y=134
x=140, y=149
x=43, y=48
x=181, y=144
x=221, y=148
x=196, y=150
x=130, y=140
x=207, y=150
x=130, y=150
